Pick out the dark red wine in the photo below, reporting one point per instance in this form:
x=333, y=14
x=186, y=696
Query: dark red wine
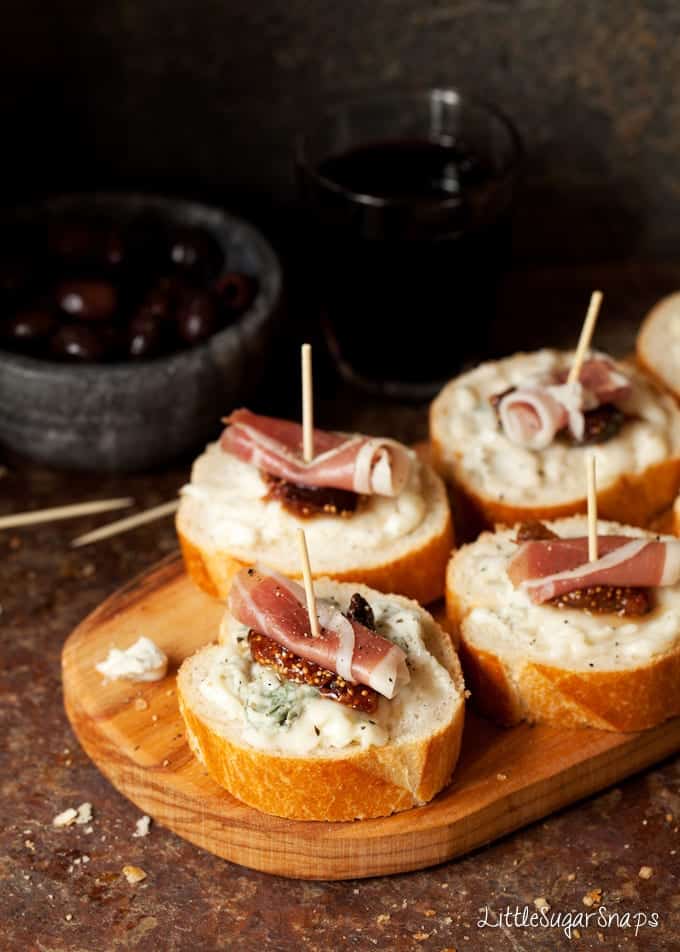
x=410, y=237
x=411, y=170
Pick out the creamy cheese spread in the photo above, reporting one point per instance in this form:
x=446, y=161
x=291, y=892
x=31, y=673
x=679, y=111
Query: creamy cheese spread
x=228, y=510
x=465, y=423
x=503, y=618
x=276, y=714
x=142, y=661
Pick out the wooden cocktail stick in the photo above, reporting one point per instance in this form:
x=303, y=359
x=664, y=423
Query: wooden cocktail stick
x=124, y=525
x=586, y=336
x=62, y=512
x=592, y=507
x=307, y=405
x=309, y=587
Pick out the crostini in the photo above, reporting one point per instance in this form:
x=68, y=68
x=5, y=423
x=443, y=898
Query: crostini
x=510, y=436
x=547, y=635
x=658, y=343
x=371, y=510
x=362, y=721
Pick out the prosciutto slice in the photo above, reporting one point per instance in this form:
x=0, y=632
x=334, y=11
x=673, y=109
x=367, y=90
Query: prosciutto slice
x=361, y=464
x=548, y=568
x=533, y=414
x=275, y=606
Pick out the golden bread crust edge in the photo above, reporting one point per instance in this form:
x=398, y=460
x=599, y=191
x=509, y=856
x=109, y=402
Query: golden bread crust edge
x=419, y=574
x=634, y=499
x=373, y=783
x=641, y=345
x=367, y=783
x=630, y=700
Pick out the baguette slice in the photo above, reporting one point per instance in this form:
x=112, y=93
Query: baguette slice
x=274, y=769
x=658, y=343
x=395, y=545
x=497, y=481
x=540, y=663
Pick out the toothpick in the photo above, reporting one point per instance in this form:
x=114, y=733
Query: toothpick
x=124, y=525
x=592, y=507
x=307, y=405
x=62, y=512
x=586, y=336
x=309, y=587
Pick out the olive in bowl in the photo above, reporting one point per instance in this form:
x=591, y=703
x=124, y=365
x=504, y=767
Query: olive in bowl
x=120, y=369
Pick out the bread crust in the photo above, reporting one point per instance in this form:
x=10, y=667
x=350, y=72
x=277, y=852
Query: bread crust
x=634, y=499
x=371, y=783
x=642, y=351
x=360, y=784
x=629, y=700
x=419, y=574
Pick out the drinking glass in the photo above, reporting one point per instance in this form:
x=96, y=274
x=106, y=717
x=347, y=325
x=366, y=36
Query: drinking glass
x=408, y=201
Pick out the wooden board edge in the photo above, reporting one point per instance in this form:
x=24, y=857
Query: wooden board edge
x=419, y=849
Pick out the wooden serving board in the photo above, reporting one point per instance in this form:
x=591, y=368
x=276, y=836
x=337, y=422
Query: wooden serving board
x=135, y=735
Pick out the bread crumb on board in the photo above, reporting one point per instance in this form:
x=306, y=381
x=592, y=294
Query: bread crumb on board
x=80, y=815
x=134, y=874
x=542, y=903
x=65, y=818
x=646, y=872
x=592, y=898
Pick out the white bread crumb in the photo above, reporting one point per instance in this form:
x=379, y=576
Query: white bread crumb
x=66, y=818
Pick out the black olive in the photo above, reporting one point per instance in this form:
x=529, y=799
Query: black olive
x=87, y=300
x=28, y=328
x=194, y=251
x=236, y=292
x=15, y=273
x=79, y=343
x=144, y=335
x=196, y=317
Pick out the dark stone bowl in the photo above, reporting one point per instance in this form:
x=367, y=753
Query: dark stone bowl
x=132, y=416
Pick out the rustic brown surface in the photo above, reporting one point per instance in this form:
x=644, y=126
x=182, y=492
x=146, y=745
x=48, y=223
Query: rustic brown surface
x=194, y=901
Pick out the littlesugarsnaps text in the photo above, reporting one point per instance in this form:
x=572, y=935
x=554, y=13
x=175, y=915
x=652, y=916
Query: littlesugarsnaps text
x=568, y=921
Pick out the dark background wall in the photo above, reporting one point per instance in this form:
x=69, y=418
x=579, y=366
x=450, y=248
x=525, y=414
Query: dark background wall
x=204, y=97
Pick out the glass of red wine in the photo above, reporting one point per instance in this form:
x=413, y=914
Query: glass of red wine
x=408, y=200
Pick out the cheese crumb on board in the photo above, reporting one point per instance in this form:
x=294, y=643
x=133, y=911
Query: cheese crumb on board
x=84, y=814
x=143, y=661
x=142, y=826
x=66, y=818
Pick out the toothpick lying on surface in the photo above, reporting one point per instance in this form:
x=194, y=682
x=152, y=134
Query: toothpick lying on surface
x=124, y=525
x=586, y=336
x=592, y=507
x=309, y=586
x=307, y=404
x=62, y=512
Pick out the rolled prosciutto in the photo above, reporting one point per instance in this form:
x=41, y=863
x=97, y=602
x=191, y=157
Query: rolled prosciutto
x=532, y=415
x=548, y=568
x=275, y=606
x=361, y=464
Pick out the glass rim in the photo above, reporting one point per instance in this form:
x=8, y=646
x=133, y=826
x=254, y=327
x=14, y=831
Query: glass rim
x=395, y=97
